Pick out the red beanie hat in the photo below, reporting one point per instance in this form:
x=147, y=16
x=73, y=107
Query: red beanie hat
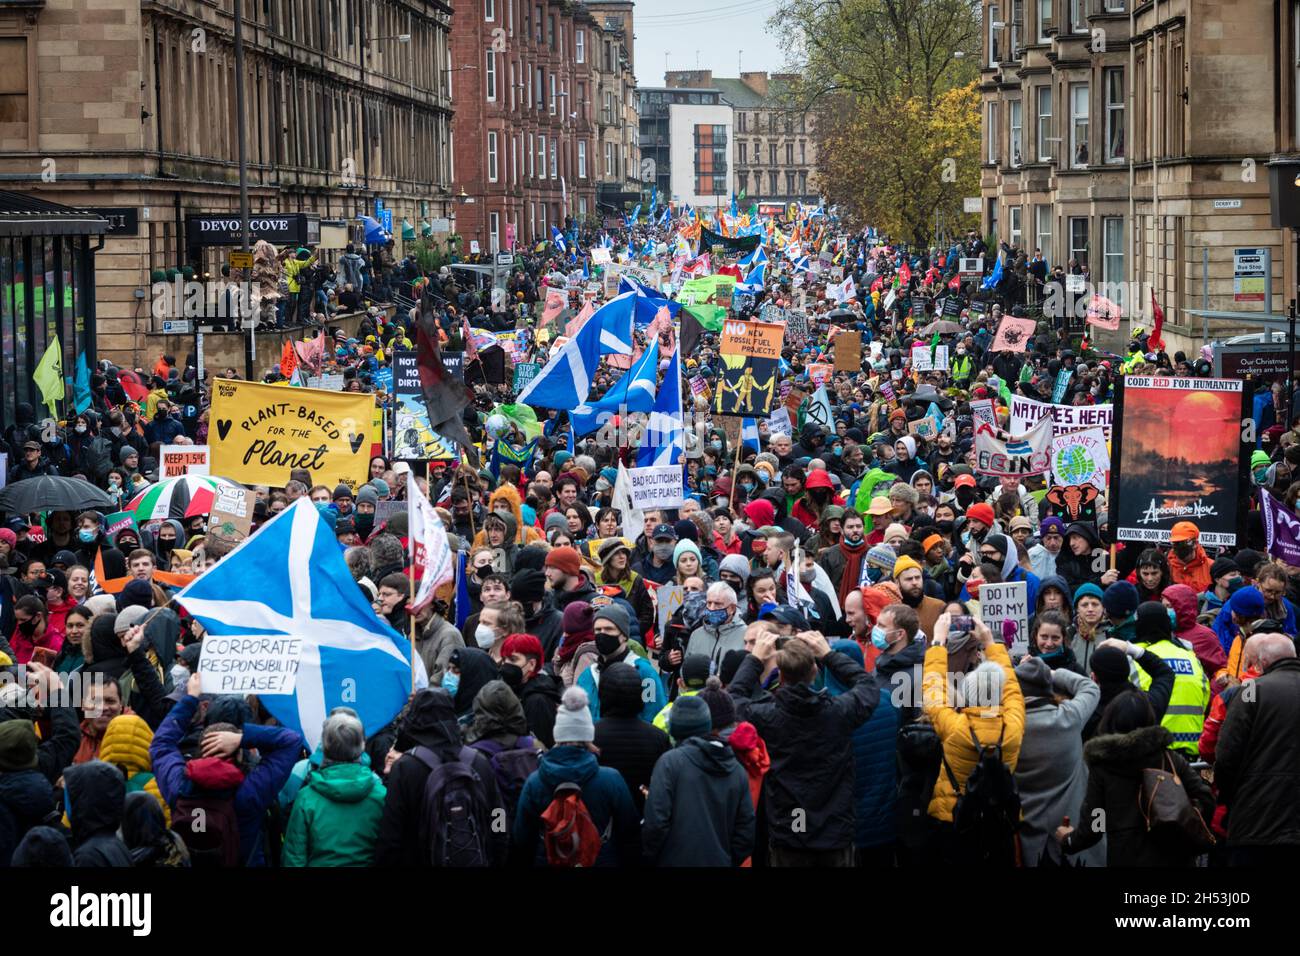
x=524, y=644
x=569, y=561
x=981, y=511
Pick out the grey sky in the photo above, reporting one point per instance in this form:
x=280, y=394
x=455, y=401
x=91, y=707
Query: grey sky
x=717, y=30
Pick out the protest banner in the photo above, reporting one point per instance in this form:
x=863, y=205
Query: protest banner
x=779, y=422
x=329, y=381
x=922, y=362
x=1013, y=334
x=453, y=362
x=525, y=372
x=952, y=307
x=750, y=352
x=1016, y=455
x=1026, y=412
x=117, y=521
x=1004, y=609
x=263, y=432
x=656, y=486
x=711, y=289
x=1179, y=456
x=1103, y=313
x=177, y=460
x=796, y=328
x=413, y=437
x=848, y=352
x=556, y=301
x=378, y=432
x=231, y=519
x=1062, y=383
x=1081, y=458
x=820, y=372
x=599, y=255
x=265, y=665
x=668, y=598
x=1281, y=529
x=923, y=428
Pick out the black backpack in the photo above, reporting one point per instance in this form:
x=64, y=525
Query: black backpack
x=456, y=814
x=512, y=766
x=987, y=814
x=209, y=827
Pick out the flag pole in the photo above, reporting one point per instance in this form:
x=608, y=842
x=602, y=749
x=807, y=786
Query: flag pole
x=731, y=505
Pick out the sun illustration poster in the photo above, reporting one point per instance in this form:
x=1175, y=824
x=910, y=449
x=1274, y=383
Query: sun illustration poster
x=1179, y=452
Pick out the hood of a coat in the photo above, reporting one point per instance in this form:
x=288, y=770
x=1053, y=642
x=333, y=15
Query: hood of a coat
x=710, y=754
x=476, y=669
x=802, y=699
x=1058, y=582
x=1130, y=751
x=431, y=720
x=497, y=712
x=567, y=765
x=214, y=773
x=94, y=794
x=1084, y=529
x=1183, y=600
x=343, y=782
x=126, y=743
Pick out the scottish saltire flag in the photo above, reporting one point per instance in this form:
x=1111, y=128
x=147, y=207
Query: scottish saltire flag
x=504, y=453
x=648, y=302
x=754, y=282
x=665, y=436
x=802, y=264
x=735, y=212
x=636, y=214
x=654, y=201
x=666, y=219
x=749, y=434
x=755, y=258
x=566, y=379
x=995, y=276
x=557, y=237
x=290, y=581
x=634, y=392
x=430, y=551
x=464, y=606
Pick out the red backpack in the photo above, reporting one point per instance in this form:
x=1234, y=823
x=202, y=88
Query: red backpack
x=569, y=833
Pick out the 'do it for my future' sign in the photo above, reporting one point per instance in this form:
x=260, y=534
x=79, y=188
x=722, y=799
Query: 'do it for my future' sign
x=258, y=433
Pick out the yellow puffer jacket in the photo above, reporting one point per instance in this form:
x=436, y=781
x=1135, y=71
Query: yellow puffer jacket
x=126, y=745
x=954, y=726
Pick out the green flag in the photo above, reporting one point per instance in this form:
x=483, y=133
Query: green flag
x=49, y=376
x=523, y=417
x=710, y=316
x=934, y=347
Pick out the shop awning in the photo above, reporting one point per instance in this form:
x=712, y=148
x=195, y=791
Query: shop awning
x=25, y=215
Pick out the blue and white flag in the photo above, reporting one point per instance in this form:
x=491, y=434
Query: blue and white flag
x=995, y=276
x=557, y=237
x=749, y=434
x=290, y=581
x=757, y=257
x=753, y=283
x=634, y=392
x=802, y=264
x=665, y=436
x=636, y=214
x=648, y=302
x=566, y=380
x=654, y=201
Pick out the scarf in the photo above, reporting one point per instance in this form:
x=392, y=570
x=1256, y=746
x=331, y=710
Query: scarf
x=853, y=558
x=570, y=643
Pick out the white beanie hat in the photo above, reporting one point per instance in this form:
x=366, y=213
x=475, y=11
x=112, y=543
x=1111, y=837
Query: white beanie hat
x=573, y=723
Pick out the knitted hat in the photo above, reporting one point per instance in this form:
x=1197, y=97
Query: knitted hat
x=342, y=491
x=573, y=722
x=1051, y=525
x=528, y=586
x=904, y=563
x=128, y=618
x=1088, y=589
x=17, y=746
x=686, y=546
x=1035, y=677
x=577, y=618
x=555, y=522
x=368, y=495
x=381, y=487
x=565, y=559
x=610, y=547
x=690, y=717
x=882, y=556
x=1222, y=566
x=1020, y=521
x=895, y=530
x=695, y=670
x=1110, y=664
x=1259, y=459
x=737, y=565
x=1249, y=561
x=1153, y=622
x=1120, y=600
x=135, y=594
x=981, y=511
x=616, y=616
x=1247, y=602
x=719, y=702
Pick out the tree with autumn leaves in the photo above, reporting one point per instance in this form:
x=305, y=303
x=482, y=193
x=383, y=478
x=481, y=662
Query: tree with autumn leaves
x=893, y=86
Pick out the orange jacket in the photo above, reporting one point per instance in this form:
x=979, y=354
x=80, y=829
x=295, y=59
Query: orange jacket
x=1194, y=573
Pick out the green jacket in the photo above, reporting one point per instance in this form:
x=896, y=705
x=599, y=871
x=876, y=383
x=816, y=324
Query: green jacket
x=335, y=818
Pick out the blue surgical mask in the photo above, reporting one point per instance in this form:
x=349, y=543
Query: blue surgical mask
x=1173, y=618
x=879, y=638
x=87, y=535
x=451, y=683
x=746, y=486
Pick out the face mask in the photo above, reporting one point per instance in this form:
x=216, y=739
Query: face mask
x=1173, y=618
x=81, y=429
x=484, y=636
x=513, y=675
x=27, y=627
x=1048, y=656
x=808, y=577
x=607, y=644
x=715, y=618
x=1234, y=584
x=451, y=683
x=1261, y=475
x=838, y=451
x=747, y=486
x=853, y=540
x=87, y=536
x=364, y=524
x=879, y=638
x=875, y=574
x=664, y=552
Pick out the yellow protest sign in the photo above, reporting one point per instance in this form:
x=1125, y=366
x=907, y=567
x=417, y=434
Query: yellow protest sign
x=259, y=433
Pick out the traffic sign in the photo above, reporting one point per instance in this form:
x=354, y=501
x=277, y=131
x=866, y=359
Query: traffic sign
x=241, y=260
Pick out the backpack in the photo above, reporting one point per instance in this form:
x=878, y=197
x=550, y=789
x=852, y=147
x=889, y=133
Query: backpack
x=455, y=816
x=512, y=766
x=987, y=815
x=209, y=827
x=569, y=833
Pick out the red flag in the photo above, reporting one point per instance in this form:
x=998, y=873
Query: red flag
x=471, y=349
x=135, y=389
x=955, y=284
x=1155, y=342
x=288, y=360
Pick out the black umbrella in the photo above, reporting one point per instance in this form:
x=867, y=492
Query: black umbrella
x=842, y=314
x=54, y=493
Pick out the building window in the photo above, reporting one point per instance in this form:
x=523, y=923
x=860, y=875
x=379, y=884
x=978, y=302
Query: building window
x=494, y=232
x=789, y=154
x=1112, y=262
x=1078, y=125
x=540, y=79
x=744, y=152
x=993, y=36
x=1113, y=77
x=1044, y=20
x=491, y=77
x=1078, y=243
x=1077, y=24
x=554, y=164
x=789, y=184
x=14, y=103
x=552, y=94
x=771, y=178
x=1043, y=231
x=541, y=156
x=492, y=156
x=580, y=46
x=1114, y=6
x=582, y=159
x=489, y=10
x=532, y=164
x=803, y=152
x=992, y=127
x=514, y=160
x=1016, y=236
x=1014, y=129
x=1044, y=96
x=771, y=154
x=1017, y=27
x=803, y=183
x=609, y=160
x=993, y=219
x=550, y=26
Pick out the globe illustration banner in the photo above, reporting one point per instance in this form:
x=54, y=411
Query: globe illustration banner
x=1080, y=458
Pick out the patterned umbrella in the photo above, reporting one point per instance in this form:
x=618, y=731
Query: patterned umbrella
x=181, y=497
